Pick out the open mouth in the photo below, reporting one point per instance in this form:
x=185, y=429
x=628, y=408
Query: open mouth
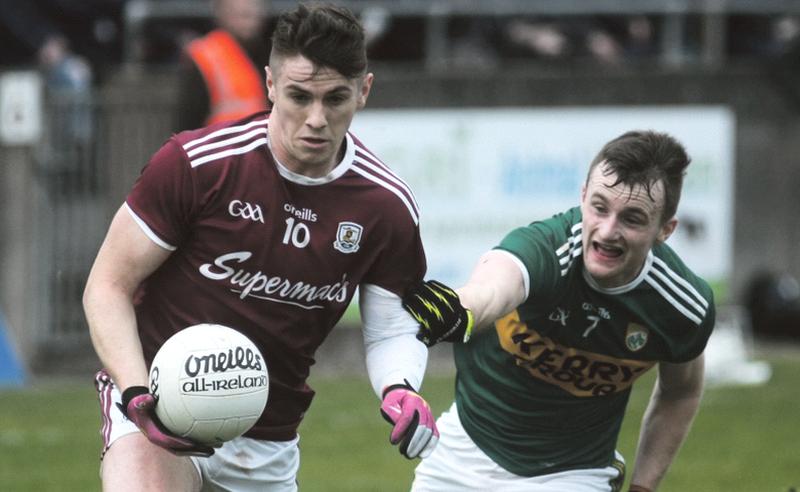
x=607, y=251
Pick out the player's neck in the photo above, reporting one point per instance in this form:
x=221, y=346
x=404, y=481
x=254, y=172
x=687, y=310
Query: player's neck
x=297, y=166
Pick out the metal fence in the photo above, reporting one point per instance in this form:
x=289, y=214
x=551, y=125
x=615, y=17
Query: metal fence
x=72, y=187
x=91, y=151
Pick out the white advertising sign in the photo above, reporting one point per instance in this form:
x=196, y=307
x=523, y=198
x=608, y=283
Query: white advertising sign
x=20, y=108
x=478, y=173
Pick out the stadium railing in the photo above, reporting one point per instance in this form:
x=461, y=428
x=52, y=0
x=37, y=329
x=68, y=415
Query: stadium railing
x=673, y=13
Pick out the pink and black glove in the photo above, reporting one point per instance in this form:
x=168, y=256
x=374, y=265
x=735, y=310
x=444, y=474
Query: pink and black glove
x=414, y=426
x=138, y=405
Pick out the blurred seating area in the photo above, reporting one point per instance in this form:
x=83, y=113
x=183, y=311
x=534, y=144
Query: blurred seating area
x=482, y=34
x=439, y=35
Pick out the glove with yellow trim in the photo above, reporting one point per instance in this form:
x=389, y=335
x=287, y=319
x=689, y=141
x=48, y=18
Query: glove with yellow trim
x=439, y=312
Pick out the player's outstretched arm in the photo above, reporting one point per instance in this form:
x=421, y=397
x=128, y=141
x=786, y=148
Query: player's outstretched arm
x=673, y=405
x=495, y=288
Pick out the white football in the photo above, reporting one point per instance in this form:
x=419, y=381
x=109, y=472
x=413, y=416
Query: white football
x=211, y=383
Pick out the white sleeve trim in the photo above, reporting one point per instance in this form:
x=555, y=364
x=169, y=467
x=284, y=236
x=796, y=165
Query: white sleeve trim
x=526, y=279
x=149, y=232
x=393, y=353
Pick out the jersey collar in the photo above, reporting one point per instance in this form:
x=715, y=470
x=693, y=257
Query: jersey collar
x=338, y=170
x=622, y=288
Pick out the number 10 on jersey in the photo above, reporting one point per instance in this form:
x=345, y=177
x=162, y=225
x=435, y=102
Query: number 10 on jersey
x=297, y=233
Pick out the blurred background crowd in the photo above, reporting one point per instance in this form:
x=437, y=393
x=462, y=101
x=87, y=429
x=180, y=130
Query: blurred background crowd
x=103, y=34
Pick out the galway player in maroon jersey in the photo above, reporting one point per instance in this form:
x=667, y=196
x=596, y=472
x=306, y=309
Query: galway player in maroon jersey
x=268, y=225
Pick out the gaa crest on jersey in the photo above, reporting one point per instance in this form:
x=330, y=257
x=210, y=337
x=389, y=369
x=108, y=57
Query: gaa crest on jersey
x=636, y=337
x=348, y=235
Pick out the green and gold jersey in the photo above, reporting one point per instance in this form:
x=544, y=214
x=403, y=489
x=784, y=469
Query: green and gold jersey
x=546, y=390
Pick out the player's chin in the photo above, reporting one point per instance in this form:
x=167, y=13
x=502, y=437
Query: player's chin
x=316, y=155
x=604, y=272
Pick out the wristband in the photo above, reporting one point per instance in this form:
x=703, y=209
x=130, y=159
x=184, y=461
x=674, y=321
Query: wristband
x=404, y=385
x=129, y=394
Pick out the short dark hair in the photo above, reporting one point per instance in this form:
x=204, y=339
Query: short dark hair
x=644, y=158
x=328, y=35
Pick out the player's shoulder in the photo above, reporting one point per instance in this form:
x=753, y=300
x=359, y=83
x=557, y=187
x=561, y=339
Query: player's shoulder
x=560, y=233
x=549, y=249
x=689, y=294
x=391, y=193
x=563, y=226
x=221, y=140
x=667, y=261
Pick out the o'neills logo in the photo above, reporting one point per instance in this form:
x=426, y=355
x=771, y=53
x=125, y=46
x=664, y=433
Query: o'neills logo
x=234, y=358
x=212, y=372
x=272, y=288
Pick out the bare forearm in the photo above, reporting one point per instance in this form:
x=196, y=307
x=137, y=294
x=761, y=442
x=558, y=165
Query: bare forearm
x=486, y=305
x=125, y=259
x=494, y=289
x=112, y=326
x=664, y=428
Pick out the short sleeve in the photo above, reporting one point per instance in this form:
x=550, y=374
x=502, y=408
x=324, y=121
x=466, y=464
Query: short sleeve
x=534, y=248
x=163, y=196
x=402, y=260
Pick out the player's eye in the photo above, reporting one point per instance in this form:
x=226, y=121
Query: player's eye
x=336, y=99
x=299, y=97
x=635, y=220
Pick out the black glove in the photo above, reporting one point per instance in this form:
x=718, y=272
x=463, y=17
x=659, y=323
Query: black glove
x=439, y=312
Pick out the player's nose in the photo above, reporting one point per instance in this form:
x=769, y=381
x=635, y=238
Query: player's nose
x=316, y=117
x=608, y=229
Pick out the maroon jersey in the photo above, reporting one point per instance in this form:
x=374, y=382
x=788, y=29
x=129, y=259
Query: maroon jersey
x=273, y=254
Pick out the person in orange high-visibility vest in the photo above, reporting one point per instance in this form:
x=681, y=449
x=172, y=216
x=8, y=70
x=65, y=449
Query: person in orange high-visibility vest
x=222, y=76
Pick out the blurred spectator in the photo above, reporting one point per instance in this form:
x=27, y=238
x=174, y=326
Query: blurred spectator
x=542, y=38
x=222, y=75
x=773, y=301
x=473, y=42
x=67, y=38
x=376, y=21
x=608, y=40
x=395, y=39
x=761, y=36
x=70, y=42
x=786, y=33
x=777, y=44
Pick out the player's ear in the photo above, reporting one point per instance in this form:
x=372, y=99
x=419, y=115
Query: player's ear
x=270, y=85
x=667, y=229
x=365, y=86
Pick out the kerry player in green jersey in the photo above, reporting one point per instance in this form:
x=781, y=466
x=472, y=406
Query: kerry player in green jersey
x=568, y=313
